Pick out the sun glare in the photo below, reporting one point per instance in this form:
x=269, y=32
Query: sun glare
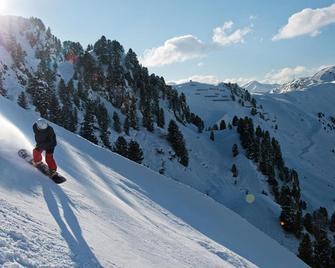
x=3, y=5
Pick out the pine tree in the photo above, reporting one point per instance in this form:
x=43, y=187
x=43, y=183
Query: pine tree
x=39, y=95
x=176, y=139
x=235, y=150
x=253, y=111
x=135, y=152
x=116, y=124
x=121, y=146
x=212, y=135
x=235, y=121
x=147, y=118
x=222, y=125
x=308, y=223
x=253, y=102
x=22, y=100
x=55, y=113
x=133, y=113
x=103, y=122
x=305, y=250
x=63, y=93
x=87, y=129
x=126, y=125
x=234, y=170
x=322, y=251
x=160, y=118
x=3, y=92
x=332, y=223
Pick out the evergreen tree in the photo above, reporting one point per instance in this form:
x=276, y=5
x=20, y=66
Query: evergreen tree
x=39, y=95
x=305, y=250
x=22, y=100
x=68, y=120
x=253, y=102
x=55, y=112
x=320, y=220
x=116, y=124
x=234, y=170
x=176, y=139
x=322, y=251
x=212, y=135
x=121, y=146
x=87, y=129
x=133, y=113
x=160, y=118
x=332, y=223
x=235, y=121
x=135, y=152
x=253, y=111
x=126, y=125
x=222, y=125
x=235, y=150
x=147, y=118
x=308, y=223
x=3, y=92
x=103, y=122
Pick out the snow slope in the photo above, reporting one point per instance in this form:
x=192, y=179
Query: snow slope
x=113, y=213
x=300, y=117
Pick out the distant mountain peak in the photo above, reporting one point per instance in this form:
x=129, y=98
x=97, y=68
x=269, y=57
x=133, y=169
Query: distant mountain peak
x=258, y=87
x=326, y=74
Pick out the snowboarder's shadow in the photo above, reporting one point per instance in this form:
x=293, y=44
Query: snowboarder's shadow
x=69, y=226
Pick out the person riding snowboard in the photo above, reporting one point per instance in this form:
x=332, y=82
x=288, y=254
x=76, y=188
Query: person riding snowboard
x=45, y=138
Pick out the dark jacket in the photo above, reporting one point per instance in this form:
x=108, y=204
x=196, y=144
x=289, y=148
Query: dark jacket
x=45, y=139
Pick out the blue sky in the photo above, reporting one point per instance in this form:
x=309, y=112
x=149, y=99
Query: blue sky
x=205, y=40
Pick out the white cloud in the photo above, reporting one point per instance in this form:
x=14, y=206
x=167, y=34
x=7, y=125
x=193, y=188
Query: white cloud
x=307, y=21
x=286, y=74
x=187, y=47
x=224, y=36
x=208, y=79
x=200, y=64
x=176, y=49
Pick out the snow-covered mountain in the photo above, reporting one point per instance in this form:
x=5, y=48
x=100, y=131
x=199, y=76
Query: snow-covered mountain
x=326, y=75
x=258, y=87
x=113, y=212
x=103, y=94
x=302, y=121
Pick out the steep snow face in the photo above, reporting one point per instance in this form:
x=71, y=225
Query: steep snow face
x=257, y=87
x=113, y=213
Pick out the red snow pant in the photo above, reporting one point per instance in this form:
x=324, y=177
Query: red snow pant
x=37, y=154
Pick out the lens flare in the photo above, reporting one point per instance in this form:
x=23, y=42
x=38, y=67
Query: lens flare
x=250, y=198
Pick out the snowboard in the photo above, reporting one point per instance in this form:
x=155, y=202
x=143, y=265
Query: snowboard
x=43, y=168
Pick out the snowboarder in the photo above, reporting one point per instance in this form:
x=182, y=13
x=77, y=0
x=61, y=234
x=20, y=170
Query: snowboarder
x=45, y=141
